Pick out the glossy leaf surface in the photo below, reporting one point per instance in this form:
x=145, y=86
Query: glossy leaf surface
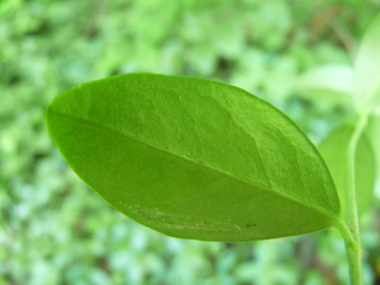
x=334, y=150
x=194, y=158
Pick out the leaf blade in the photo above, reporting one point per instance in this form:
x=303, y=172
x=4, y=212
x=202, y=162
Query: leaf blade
x=334, y=150
x=207, y=128
x=332, y=83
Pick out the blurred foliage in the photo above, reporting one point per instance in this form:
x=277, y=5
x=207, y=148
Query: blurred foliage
x=54, y=230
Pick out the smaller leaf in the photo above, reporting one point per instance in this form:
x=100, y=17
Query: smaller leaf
x=373, y=132
x=367, y=66
x=332, y=83
x=334, y=150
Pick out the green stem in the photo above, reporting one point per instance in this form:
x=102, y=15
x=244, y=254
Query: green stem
x=350, y=230
x=351, y=207
x=353, y=251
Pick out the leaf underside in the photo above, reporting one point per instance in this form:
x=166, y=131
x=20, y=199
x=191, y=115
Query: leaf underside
x=331, y=84
x=194, y=158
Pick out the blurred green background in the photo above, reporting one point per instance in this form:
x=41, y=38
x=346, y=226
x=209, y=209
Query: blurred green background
x=55, y=230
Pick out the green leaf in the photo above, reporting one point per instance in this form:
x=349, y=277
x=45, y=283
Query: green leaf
x=334, y=150
x=373, y=132
x=331, y=83
x=367, y=66
x=194, y=158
